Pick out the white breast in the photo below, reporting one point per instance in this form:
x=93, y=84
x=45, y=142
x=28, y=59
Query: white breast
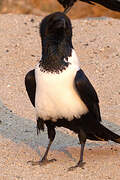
x=56, y=96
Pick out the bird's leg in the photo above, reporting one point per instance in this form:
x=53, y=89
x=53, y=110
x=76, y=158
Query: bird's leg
x=67, y=9
x=82, y=139
x=44, y=160
x=80, y=162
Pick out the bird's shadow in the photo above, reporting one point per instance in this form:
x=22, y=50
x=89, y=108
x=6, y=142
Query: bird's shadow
x=21, y=130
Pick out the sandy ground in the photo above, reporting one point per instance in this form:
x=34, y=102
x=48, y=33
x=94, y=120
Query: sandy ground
x=97, y=43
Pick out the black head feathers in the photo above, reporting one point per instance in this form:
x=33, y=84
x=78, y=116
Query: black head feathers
x=56, y=36
x=56, y=26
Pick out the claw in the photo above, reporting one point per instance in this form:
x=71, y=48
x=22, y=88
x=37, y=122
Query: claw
x=42, y=162
x=78, y=165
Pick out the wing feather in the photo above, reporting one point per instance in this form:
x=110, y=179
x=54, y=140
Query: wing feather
x=30, y=85
x=87, y=93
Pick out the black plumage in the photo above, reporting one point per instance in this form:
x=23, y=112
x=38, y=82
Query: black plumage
x=57, y=84
x=30, y=84
x=110, y=4
x=87, y=94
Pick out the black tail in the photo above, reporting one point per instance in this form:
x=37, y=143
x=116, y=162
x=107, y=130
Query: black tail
x=40, y=125
x=103, y=134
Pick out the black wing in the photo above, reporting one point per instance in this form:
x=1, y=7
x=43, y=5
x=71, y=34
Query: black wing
x=87, y=93
x=30, y=85
x=110, y=4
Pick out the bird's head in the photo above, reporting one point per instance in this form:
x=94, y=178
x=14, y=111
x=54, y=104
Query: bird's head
x=56, y=27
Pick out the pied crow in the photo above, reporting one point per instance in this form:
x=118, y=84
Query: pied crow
x=110, y=4
x=60, y=91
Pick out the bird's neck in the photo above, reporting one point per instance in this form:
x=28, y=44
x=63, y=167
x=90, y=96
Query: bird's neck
x=55, y=55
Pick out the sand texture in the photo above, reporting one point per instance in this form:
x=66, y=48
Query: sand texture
x=97, y=44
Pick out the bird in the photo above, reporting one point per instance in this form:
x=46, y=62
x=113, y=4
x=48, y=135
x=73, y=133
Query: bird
x=60, y=92
x=110, y=4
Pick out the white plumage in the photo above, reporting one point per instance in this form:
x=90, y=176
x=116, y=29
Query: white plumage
x=56, y=96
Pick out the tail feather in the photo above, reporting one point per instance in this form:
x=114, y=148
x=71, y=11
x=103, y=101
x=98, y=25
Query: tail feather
x=104, y=134
x=40, y=125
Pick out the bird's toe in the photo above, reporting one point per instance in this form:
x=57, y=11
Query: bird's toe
x=78, y=165
x=41, y=162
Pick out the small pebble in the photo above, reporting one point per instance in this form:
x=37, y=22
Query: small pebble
x=32, y=20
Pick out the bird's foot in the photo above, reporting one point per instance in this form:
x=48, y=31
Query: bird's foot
x=79, y=164
x=41, y=162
